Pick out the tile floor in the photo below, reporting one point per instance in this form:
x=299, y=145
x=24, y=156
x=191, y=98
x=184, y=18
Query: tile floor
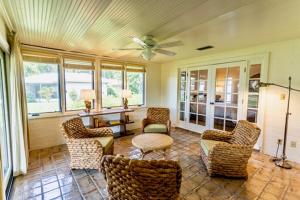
x=50, y=177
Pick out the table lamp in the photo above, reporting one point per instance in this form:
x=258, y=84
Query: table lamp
x=125, y=95
x=87, y=95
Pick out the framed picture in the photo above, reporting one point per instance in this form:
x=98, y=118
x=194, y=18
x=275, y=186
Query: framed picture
x=254, y=86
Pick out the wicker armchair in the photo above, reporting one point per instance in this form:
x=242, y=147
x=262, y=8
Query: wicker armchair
x=157, y=121
x=227, y=153
x=141, y=179
x=87, y=146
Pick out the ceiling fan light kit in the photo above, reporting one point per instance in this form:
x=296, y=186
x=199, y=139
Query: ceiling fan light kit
x=148, y=46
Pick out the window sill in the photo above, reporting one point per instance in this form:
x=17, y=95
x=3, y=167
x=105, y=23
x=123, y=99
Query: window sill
x=75, y=113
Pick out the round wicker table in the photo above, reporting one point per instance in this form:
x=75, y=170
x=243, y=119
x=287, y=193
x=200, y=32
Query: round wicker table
x=149, y=142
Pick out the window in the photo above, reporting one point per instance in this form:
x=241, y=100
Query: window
x=135, y=83
x=42, y=85
x=112, y=85
x=78, y=75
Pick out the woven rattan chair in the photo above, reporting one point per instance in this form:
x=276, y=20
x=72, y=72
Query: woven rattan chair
x=227, y=153
x=141, y=179
x=157, y=121
x=87, y=146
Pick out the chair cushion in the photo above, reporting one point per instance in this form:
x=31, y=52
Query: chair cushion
x=106, y=142
x=208, y=145
x=155, y=128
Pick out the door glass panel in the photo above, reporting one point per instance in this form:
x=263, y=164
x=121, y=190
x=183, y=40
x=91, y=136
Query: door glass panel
x=193, y=97
x=202, y=86
x=183, y=76
x=202, y=109
x=194, y=75
x=201, y=120
x=181, y=116
x=193, y=118
x=230, y=125
x=226, y=91
x=182, y=106
x=193, y=107
x=182, y=96
x=183, y=85
x=253, y=92
x=202, y=98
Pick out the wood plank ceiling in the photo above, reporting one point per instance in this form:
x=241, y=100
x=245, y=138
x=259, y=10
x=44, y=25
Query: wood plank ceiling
x=98, y=26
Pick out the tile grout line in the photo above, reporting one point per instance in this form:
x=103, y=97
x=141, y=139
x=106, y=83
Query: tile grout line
x=59, y=186
x=95, y=183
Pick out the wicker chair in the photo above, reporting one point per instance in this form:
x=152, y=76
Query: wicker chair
x=157, y=121
x=227, y=153
x=87, y=146
x=141, y=179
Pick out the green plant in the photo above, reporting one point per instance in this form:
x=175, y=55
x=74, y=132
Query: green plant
x=46, y=93
x=73, y=95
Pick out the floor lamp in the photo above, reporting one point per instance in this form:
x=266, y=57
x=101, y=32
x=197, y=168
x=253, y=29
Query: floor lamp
x=281, y=162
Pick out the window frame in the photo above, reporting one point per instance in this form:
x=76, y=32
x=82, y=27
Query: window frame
x=65, y=89
x=37, y=57
x=59, y=85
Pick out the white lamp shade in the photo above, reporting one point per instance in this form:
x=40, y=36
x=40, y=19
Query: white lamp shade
x=87, y=94
x=126, y=94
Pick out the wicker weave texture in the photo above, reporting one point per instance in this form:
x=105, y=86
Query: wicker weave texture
x=141, y=179
x=85, y=151
x=230, y=159
x=157, y=115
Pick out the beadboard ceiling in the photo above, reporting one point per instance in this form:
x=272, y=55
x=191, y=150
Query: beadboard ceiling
x=98, y=26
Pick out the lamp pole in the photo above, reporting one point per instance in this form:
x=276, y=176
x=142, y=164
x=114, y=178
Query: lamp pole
x=281, y=162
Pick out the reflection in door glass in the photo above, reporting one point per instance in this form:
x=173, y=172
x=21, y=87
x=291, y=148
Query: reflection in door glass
x=230, y=125
x=193, y=118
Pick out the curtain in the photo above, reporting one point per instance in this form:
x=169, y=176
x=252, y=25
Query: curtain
x=18, y=109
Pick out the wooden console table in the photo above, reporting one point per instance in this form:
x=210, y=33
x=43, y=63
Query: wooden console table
x=122, y=121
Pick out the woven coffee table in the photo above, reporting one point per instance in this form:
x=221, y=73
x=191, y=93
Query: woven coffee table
x=149, y=142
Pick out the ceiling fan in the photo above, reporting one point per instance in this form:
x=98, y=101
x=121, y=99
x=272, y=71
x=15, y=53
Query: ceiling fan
x=149, y=47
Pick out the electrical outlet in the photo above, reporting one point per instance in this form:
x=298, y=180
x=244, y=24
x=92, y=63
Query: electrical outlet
x=279, y=141
x=293, y=144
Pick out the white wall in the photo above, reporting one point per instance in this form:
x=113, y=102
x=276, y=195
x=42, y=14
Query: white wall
x=284, y=62
x=45, y=132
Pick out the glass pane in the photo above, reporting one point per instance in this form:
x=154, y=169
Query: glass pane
x=193, y=118
x=231, y=113
x=232, y=86
x=42, y=88
x=75, y=81
x=229, y=125
x=254, y=86
x=182, y=96
x=255, y=71
x=183, y=76
x=182, y=116
x=182, y=86
x=219, y=112
x=219, y=124
x=232, y=100
x=111, y=88
x=233, y=73
x=193, y=97
x=253, y=101
x=135, y=83
x=201, y=120
x=203, y=74
x=219, y=98
x=220, y=86
x=202, y=86
x=182, y=106
x=193, y=108
x=194, y=75
x=202, y=98
x=252, y=115
x=221, y=74
x=202, y=109
x=4, y=134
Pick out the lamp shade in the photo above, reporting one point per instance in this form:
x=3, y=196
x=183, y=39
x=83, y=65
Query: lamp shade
x=87, y=94
x=126, y=94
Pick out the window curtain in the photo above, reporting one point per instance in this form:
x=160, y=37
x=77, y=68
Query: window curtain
x=18, y=109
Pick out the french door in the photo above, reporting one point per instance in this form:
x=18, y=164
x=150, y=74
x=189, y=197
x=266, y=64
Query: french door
x=4, y=136
x=211, y=96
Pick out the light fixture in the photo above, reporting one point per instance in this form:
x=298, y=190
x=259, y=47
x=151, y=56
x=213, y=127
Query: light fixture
x=87, y=95
x=281, y=162
x=125, y=95
x=147, y=54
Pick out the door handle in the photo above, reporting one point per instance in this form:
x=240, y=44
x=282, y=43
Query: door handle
x=212, y=103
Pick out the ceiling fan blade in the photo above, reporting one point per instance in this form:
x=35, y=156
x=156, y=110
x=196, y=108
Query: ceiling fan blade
x=170, y=44
x=165, y=52
x=121, y=49
x=139, y=41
